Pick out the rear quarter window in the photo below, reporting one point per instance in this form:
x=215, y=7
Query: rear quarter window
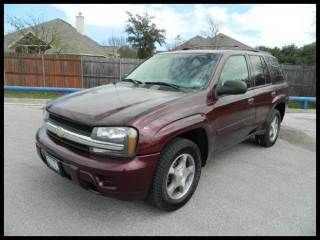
x=275, y=70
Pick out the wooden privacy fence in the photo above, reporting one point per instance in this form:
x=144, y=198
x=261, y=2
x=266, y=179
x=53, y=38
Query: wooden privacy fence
x=301, y=79
x=64, y=70
x=98, y=71
x=75, y=71
x=42, y=70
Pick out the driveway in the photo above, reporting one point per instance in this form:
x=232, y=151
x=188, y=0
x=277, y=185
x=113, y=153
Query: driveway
x=246, y=190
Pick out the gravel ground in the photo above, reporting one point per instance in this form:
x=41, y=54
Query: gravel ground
x=246, y=190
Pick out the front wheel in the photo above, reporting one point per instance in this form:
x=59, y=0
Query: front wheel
x=272, y=130
x=177, y=174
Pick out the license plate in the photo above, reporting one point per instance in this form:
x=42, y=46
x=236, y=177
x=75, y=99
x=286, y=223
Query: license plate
x=53, y=163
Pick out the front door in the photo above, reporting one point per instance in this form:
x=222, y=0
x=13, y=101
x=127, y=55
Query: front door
x=233, y=116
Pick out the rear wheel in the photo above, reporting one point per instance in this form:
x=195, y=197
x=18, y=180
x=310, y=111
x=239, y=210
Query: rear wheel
x=272, y=130
x=177, y=174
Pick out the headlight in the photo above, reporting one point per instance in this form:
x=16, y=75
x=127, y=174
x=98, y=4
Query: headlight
x=117, y=136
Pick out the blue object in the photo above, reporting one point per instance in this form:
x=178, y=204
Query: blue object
x=42, y=89
x=304, y=100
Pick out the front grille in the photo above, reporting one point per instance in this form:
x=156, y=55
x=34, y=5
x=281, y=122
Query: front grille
x=67, y=142
x=70, y=125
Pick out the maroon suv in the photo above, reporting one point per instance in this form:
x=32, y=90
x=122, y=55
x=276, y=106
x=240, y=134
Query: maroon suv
x=149, y=134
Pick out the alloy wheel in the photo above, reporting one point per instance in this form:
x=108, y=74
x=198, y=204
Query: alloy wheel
x=180, y=176
x=274, y=127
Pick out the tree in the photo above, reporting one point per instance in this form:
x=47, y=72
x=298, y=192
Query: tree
x=178, y=41
x=143, y=34
x=127, y=52
x=116, y=43
x=120, y=45
x=170, y=46
x=212, y=31
x=291, y=54
x=35, y=37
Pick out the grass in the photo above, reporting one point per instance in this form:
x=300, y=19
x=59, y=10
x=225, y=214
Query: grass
x=52, y=95
x=299, y=105
x=30, y=94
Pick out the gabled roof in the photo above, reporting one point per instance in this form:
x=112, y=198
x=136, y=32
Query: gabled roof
x=70, y=40
x=221, y=41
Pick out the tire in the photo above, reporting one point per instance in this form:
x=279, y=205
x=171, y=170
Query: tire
x=172, y=158
x=267, y=139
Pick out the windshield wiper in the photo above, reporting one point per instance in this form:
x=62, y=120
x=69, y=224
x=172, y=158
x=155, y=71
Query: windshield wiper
x=165, y=84
x=137, y=82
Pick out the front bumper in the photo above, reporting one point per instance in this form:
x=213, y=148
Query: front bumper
x=120, y=178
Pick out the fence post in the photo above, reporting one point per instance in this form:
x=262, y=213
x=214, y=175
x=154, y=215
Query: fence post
x=119, y=68
x=43, y=72
x=81, y=71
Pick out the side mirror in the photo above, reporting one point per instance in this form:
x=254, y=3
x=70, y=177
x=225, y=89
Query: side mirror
x=233, y=87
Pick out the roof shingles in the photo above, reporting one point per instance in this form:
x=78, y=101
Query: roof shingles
x=221, y=41
x=70, y=41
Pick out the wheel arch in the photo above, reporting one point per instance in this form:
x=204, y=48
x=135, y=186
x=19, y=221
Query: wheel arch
x=194, y=128
x=281, y=107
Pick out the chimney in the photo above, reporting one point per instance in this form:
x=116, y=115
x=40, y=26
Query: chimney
x=80, y=23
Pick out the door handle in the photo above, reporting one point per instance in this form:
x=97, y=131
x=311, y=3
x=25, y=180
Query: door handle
x=273, y=93
x=250, y=100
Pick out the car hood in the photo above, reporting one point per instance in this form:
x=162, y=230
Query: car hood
x=112, y=104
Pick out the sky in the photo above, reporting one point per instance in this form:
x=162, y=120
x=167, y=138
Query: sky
x=272, y=25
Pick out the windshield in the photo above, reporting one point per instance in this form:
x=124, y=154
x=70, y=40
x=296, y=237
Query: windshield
x=188, y=70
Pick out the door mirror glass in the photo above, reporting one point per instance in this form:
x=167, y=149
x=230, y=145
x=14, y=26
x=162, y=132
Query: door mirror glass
x=232, y=87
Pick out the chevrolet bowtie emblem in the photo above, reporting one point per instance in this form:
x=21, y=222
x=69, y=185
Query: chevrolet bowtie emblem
x=59, y=131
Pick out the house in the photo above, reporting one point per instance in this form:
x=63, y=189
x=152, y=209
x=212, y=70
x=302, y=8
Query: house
x=56, y=36
x=221, y=41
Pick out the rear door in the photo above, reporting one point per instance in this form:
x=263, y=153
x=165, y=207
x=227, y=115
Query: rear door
x=262, y=87
x=233, y=116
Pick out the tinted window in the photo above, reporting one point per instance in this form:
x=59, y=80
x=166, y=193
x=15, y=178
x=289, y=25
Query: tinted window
x=258, y=70
x=276, y=72
x=265, y=70
x=235, y=69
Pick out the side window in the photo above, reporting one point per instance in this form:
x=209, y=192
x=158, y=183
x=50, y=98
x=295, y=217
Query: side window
x=258, y=70
x=265, y=70
x=276, y=72
x=235, y=69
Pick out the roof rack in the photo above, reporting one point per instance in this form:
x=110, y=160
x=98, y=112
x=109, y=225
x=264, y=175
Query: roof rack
x=221, y=48
x=246, y=49
x=232, y=48
x=253, y=50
